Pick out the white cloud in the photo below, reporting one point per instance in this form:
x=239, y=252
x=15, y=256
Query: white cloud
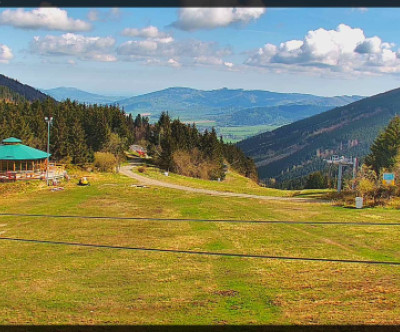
x=185, y=52
x=344, y=50
x=209, y=18
x=150, y=32
x=159, y=47
x=174, y=63
x=5, y=54
x=369, y=45
x=43, y=18
x=69, y=44
x=209, y=60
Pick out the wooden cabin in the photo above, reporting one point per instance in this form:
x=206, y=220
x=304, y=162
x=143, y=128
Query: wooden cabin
x=22, y=162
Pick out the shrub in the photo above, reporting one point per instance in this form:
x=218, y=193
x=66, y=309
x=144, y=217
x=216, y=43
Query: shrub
x=195, y=165
x=366, y=187
x=105, y=161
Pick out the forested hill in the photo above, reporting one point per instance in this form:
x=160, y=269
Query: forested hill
x=12, y=90
x=64, y=93
x=299, y=148
x=185, y=102
x=10, y=96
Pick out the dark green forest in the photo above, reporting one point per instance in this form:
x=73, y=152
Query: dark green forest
x=23, y=91
x=79, y=130
x=292, y=152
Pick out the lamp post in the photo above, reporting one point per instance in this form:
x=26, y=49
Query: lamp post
x=49, y=120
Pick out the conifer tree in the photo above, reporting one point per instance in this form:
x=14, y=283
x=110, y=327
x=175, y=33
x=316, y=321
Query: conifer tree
x=59, y=137
x=385, y=147
x=77, y=148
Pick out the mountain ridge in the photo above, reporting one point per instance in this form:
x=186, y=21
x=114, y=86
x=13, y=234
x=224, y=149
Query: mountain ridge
x=61, y=93
x=299, y=148
x=26, y=91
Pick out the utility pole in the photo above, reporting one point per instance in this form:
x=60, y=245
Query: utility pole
x=339, y=183
x=49, y=121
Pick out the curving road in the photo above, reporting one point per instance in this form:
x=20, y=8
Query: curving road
x=126, y=170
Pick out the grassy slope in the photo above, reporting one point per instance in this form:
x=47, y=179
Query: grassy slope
x=233, y=182
x=54, y=284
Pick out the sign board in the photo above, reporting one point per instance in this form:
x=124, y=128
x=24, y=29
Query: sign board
x=388, y=179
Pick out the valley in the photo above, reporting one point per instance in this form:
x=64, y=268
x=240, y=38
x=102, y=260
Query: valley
x=236, y=114
x=300, y=148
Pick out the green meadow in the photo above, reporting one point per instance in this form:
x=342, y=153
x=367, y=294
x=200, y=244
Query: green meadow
x=44, y=283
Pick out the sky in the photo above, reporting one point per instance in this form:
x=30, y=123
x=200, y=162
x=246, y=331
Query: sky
x=131, y=51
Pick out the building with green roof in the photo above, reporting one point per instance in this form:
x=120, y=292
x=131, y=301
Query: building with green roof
x=20, y=161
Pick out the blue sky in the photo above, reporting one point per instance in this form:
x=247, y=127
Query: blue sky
x=130, y=51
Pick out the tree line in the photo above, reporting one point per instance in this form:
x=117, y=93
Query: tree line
x=79, y=130
x=384, y=156
x=183, y=149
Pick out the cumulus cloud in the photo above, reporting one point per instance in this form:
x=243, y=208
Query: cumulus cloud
x=175, y=53
x=158, y=47
x=369, y=45
x=69, y=44
x=345, y=50
x=210, y=18
x=150, y=32
x=43, y=18
x=5, y=54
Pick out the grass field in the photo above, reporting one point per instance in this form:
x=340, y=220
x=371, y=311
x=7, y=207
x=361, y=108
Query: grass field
x=58, y=284
x=233, y=182
x=235, y=134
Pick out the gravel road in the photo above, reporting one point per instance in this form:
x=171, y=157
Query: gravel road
x=126, y=170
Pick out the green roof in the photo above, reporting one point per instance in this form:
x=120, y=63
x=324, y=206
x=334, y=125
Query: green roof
x=11, y=140
x=19, y=151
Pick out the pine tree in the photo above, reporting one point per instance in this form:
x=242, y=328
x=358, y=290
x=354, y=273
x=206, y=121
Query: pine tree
x=77, y=148
x=59, y=137
x=385, y=147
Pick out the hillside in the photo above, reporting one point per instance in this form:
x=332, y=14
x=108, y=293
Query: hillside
x=16, y=90
x=299, y=148
x=8, y=95
x=63, y=93
x=271, y=115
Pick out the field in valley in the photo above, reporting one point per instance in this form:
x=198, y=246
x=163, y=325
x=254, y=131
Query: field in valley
x=50, y=283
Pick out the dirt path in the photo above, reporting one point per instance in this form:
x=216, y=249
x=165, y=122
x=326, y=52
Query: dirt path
x=126, y=170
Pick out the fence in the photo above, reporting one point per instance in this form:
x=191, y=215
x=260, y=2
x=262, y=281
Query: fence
x=55, y=172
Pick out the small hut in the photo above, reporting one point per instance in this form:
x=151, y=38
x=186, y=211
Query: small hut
x=21, y=162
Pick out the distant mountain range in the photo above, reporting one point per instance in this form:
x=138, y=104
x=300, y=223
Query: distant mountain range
x=299, y=148
x=191, y=103
x=63, y=93
x=223, y=107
